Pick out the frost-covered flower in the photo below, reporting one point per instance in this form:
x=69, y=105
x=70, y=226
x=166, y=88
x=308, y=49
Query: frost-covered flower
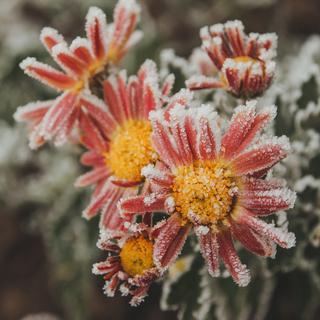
x=80, y=62
x=123, y=147
x=130, y=264
x=215, y=185
x=245, y=61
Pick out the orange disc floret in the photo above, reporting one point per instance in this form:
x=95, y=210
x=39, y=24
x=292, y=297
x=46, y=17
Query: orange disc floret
x=130, y=150
x=137, y=255
x=205, y=189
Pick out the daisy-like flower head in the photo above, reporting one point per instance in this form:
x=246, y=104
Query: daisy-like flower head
x=130, y=265
x=245, y=62
x=122, y=147
x=216, y=186
x=80, y=62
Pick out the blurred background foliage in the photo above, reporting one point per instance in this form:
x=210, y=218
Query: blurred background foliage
x=47, y=249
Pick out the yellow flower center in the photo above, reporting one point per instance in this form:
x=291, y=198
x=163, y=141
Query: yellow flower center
x=205, y=191
x=130, y=150
x=253, y=62
x=137, y=255
x=244, y=59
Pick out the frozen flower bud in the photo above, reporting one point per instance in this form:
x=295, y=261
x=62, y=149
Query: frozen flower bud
x=245, y=62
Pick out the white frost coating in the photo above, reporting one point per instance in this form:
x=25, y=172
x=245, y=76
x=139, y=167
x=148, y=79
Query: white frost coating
x=253, y=36
x=184, y=96
x=150, y=172
x=134, y=39
x=202, y=230
x=106, y=289
x=200, y=80
x=28, y=62
x=52, y=33
x=250, y=106
x=271, y=110
x=170, y=204
x=272, y=51
x=271, y=141
x=19, y=115
x=130, y=5
x=270, y=68
x=79, y=42
x=93, y=14
x=283, y=194
x=59, y=49
x=157, y=115
x=150, y=199
x=95, y=269
x=235, y=24
x=244, y=277
x=150, y=69
x=204, y=33
x=217, y=28
x=95, y=101
x=33, y=63
x=124, y=289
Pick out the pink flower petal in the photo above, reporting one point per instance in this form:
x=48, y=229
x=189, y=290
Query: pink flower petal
x=199, y=82
x=169, y=242
x=111, y=221
x=262, y=156
x=91, y=158
x=68, y=61
x=210, y=251
x=125, y=18
x=46, y=74
x=96, y=29
x=98, y=201
x=283, y=238
x=263, y=202
x=33, y=111
x=50, y=37
x=58, y=114
x=145, y=203
x=80, y=47
x=164, y=144
x=167, y=85
x=92, y=177
x=253, y=241
x=238, y=271
x=99, y=112
x=91, y=136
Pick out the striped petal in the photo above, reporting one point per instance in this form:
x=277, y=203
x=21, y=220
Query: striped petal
x=253, y=241
x=92, y=177
x=244, y=127
x=47, y=75
x=96, y=29
x=169, y=242
x=227, y=252
x=209, y=248
x=262, y=156
x=283, y=238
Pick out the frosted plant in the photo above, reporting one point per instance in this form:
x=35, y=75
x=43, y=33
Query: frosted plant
x=122, y=147
x=130, y=261
x=211, y=181
x=174, y=179
x=245, y=63
x=81, y=62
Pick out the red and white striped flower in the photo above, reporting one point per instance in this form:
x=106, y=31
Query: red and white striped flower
x=245, y=61
x=130, y=264
x=215, y=185
x=119, y=150
x=80, y=62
